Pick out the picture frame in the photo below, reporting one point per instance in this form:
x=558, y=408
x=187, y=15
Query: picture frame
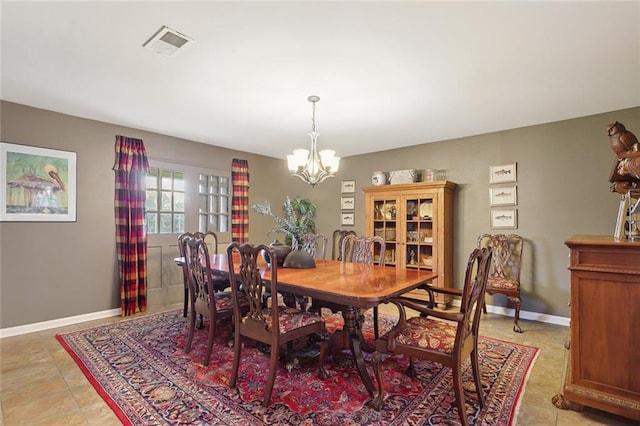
x=37, y=184
x=347, y=219
x=504, y=219
x=503, y=196
x=348, y=187
x=347, y=203
x=503, y=173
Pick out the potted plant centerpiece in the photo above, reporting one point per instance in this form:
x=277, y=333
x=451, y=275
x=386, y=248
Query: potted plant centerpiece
x=296, y=222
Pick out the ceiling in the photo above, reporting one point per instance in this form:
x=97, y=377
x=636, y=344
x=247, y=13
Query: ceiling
x=389, y=74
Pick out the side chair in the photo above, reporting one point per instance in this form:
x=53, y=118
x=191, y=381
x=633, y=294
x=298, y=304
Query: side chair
x=447, y=338
x=215, y=305
x=272, y=325
x=182, y=238
x=338, y=236
x=356, y=249
x=504, y=275
x=220, y=280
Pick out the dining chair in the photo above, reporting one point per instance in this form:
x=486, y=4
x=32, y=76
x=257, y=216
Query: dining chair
x=272, y=325
x=220, y=281
x=315, y=245
x=356, y=249
x=338, y=236
x=447, y=338
x=504, y=274
x=182, y=239
x=205, y=301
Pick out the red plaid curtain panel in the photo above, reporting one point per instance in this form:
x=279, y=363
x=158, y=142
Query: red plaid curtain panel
x=240, y=201
x=130, y=166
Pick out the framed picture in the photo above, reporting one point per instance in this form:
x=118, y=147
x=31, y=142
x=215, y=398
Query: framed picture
x=348, y=186
x=503, y=196
x=37, y=184
x=348, y=203
x=503, y=173
x=502, y=219
x=347, y=219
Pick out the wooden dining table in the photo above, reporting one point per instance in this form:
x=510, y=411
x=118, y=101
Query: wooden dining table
x=356, y=286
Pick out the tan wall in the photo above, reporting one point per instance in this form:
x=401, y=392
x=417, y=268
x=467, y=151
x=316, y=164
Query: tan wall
x=57, y=270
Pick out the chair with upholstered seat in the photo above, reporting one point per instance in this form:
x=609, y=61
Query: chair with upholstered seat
x=315, y=245
x=272, y=325
x=447, y=338
x=338, y=236
x=185, y=277
x=357, y=249
x=220, y=280
x=205, y=301
x=504, y=275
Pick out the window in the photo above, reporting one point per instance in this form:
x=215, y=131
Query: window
x=213, y=203
x=165, y=201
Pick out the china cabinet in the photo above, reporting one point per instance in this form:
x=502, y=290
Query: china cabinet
x=416, y=221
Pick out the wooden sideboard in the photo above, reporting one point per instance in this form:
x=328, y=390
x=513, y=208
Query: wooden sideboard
x=603, y=371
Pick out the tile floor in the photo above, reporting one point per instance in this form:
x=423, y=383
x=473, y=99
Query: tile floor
x=40, y=383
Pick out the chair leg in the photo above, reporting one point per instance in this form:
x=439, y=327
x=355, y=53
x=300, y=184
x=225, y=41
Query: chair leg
x=236, y=357
x=411, y=370
x=273, y=365
x=476, y=376
x=324, y=346
x=378, y=401
x=192, y=326
x=516, y=301
x=212, y=329
x=484, y=306
x=186, y=302
x=459, y=391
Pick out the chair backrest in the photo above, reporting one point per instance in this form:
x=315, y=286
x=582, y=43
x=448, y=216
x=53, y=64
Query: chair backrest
x=338, y=236
x=211, y=238
x=360, y=249
x=199, y=268
x=312, y=242
x=507, y=254
x=249, y=280
x=475, y=284
x=182, y=247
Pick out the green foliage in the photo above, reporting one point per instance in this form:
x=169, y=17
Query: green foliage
x=297, y=220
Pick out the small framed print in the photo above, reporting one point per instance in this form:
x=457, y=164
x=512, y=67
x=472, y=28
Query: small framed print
x=503, y=196
x=347, y=219
x=348, y=186
x=347, y=203
x=502, y=174
x=504, y=219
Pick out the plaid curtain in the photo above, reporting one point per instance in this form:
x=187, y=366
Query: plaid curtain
x=130, y=167
x=240, y=201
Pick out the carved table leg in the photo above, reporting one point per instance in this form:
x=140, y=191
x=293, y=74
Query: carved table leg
x=350, y=315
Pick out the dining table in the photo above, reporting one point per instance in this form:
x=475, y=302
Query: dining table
x=355, y=286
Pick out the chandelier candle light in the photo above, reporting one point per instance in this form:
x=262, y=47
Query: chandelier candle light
x=313, y=167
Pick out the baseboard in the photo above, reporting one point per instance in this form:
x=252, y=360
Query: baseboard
x=61, y=322
x=528, y=315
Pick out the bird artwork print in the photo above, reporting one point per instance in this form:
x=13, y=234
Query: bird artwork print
x=36, y=191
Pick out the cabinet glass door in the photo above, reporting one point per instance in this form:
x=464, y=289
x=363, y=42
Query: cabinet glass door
x=420, y=236
x=384, y=225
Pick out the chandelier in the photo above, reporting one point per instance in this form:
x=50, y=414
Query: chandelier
x=313, y=167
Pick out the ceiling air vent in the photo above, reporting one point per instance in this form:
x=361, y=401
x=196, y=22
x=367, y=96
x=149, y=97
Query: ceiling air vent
x=166, y=41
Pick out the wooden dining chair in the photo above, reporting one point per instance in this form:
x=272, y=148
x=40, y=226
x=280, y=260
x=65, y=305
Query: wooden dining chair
x=315, y=245
x=220, y=280
x=205, y=301
x=182, y=239
x=338, y=236
x=272, y=325
x=356, y=249
x=504, y=275
x=447, y=338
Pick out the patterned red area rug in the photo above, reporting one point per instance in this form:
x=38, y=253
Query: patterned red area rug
x=141, y=370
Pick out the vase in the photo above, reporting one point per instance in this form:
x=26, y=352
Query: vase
x=299, y=259
x=280, y=250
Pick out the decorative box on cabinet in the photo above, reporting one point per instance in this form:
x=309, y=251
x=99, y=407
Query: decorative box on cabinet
x=416, y=221
x=603, y=371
